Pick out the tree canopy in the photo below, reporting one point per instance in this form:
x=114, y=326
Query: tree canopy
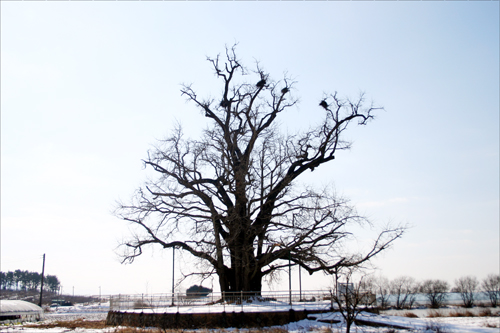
x=230, y=197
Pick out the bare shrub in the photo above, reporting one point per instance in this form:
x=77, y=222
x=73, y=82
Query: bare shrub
x=435, y=327
x=466, y=286
x=277, y=329
x=405, y=289
x=491, y=325
x=410, y=315
x=141, y=305
x=381, y=288
x=349, y=296
x=491, y=287
x=435, y=291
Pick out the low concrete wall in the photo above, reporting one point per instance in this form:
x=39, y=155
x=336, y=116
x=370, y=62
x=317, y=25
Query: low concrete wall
x=205, y=320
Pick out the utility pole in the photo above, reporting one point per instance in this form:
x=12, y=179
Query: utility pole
x=41, y=288
x=173, y=270
x=290, y=276
x=300, y=286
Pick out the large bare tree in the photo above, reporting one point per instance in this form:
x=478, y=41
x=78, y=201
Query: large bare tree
x=230, y=198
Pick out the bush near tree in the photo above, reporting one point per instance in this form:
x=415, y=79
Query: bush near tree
x=198, y=291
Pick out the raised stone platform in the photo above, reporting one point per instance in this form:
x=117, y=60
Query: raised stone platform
x=206, y=320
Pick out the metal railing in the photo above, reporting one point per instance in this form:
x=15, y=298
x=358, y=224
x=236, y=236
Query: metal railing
x=218, y=302
x=245, y=301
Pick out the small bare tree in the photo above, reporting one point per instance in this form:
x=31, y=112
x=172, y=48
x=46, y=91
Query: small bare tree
x=404, y=289
x=435, y=291
x=467, y=286
x=381, y=288
x=491, y=287
x=349, y=296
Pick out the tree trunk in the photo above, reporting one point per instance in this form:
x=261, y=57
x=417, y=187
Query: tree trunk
x=348, y=326
x=231, y=282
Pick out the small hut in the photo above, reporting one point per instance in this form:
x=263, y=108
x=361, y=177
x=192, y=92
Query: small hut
x=19, y=311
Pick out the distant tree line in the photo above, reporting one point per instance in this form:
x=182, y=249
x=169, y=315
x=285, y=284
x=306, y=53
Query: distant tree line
x=352, y=297
x=25, y=280
x=403, y=290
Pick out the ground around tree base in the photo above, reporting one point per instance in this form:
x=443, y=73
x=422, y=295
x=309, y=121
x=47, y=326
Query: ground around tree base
x=92, y=319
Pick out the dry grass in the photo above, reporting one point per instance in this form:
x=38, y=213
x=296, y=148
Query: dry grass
x=274, y=330
x=80, y=323
x=491, y=325
x=135, y=330
x=434, y=314
x=466, y=313
x=485, y=313
x=410, y=315
x=435, y=327
x=73, y=324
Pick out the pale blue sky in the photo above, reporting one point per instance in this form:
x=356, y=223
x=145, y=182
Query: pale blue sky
x=87, y=87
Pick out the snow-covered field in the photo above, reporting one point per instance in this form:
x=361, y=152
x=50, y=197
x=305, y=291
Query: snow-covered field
x=93, y=312
x=422, y=324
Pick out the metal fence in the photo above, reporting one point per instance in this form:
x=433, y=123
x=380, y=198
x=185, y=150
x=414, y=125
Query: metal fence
x=236, y=301
x=245, y=301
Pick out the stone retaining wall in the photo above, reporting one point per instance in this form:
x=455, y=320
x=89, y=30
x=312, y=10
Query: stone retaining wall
x=205, y=320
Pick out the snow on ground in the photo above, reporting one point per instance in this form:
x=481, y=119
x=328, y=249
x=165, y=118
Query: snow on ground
x=447, y=311
x=19, y=329
x=448, y=324
x=268, y=306
x=92, y=312
x=98, y=312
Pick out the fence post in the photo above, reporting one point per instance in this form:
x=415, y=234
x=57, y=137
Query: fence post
x=224, y=300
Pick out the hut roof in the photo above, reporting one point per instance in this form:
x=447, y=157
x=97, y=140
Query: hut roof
x=9, y=308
